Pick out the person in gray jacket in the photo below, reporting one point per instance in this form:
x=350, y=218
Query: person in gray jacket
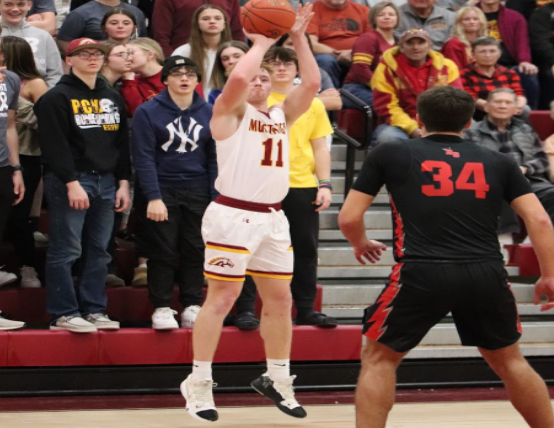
x=501, y=132
x=45, y=51
x=437, y=21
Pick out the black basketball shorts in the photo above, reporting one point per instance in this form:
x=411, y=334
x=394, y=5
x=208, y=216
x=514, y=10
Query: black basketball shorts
x=419, y=295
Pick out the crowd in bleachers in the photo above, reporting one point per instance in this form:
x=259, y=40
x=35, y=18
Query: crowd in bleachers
x=51, y=96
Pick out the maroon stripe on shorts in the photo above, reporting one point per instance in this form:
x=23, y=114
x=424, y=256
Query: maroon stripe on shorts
x=247, y=206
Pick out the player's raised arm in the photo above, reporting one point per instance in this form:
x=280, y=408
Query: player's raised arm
x=300, y=97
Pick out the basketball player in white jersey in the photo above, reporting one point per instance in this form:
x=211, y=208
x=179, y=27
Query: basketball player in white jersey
x=244, y=229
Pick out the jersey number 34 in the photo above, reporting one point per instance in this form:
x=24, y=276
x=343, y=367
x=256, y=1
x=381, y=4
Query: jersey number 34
x=442, y=175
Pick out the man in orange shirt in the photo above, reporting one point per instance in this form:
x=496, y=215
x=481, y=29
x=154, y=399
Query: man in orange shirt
x=333, y=30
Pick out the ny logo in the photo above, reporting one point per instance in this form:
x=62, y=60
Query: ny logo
x=451, y=152
x=191, y=136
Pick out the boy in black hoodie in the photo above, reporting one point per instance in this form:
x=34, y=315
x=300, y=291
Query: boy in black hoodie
x=176, y=167
x=85, y=149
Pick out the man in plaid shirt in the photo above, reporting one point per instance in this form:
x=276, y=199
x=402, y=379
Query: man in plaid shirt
x=485, y=75
x=502, y=132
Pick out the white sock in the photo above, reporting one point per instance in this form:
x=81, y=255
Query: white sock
x=278, y=369
x=142, y=265
x=201, y=370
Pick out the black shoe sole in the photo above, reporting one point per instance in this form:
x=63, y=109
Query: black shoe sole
x=260, y=389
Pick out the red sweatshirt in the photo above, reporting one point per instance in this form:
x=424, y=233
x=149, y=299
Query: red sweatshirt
x=457, y=51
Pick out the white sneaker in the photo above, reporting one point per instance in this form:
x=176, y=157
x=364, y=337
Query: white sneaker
x=74, y=324
x=7, y=277
x=41, y=238
x=29, y=277
x=164, y=319
x=9, y=324
x=188, y=317
x=102, y=322
x=200, y=399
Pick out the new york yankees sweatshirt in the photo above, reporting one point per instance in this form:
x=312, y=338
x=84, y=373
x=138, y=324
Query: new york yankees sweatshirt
x=173, y=148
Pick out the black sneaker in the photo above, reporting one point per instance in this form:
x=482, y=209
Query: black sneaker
x=246, y=321
x=317, y=319
x=281, y=393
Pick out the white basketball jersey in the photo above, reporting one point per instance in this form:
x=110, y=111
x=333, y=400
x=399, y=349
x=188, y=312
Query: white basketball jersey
x=253, y=163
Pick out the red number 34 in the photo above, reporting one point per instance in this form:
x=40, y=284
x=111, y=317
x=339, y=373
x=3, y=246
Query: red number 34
x=442, y=173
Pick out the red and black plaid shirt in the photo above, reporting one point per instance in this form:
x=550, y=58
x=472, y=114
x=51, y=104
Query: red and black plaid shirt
x=479, y=85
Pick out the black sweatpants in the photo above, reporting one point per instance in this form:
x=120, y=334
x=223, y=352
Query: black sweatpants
x=6, y=196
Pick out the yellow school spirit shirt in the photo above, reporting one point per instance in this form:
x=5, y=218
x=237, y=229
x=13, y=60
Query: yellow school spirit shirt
x=311, y=125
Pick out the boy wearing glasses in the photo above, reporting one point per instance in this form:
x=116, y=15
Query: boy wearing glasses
x=85, y=151
x=176, y=168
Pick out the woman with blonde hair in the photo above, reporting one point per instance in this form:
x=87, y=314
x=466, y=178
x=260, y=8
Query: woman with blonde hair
x=470, y=24
x=210, y=29
x=144, y=80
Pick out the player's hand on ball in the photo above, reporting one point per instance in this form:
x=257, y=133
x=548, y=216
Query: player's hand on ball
x=370, y=251
x=545, y=287
x=260, y=39
x=156, y=211
x=303, y=17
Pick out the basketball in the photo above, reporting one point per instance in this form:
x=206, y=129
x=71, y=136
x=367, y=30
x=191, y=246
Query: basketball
x=272, y=18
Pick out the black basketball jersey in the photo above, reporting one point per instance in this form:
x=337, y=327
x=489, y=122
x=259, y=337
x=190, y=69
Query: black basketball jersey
x=446, y=195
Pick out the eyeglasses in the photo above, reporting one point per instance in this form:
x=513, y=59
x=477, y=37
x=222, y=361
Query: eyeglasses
x=123, y=55
x=88, y=55
x=277, y=64
x=179, y=74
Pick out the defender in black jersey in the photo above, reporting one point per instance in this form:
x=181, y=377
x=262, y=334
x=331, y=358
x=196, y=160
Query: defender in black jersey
x=446, y=195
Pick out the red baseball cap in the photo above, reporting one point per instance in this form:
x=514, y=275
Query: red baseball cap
x=84, y=43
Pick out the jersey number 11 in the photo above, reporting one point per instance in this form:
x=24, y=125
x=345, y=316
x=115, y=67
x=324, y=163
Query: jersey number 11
x=442, y=173
x=268, y=151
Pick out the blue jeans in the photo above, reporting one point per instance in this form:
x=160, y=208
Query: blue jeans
x=363, y=92
x=335, y=70
x=530, y=85
x=78, y=233
x=386, y=133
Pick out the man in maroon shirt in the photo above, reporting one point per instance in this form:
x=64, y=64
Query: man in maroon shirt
x=172, y=21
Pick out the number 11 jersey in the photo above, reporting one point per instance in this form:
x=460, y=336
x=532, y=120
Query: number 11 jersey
x=253, y=163
x=446, y=195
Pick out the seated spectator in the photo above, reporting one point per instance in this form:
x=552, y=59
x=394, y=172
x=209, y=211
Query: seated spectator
x=525, y=7
x=210, y=29
x=328, y=94
x=437, y=21
x=470, y=25
x=453, y=5
x=17, y=56
x=172, y=21
x=144, y=81
x=227, y=55
x=334, y=28
x=46, y=54
x=369, y=48
x=85, y=21
x=404, y=72
x=117, y=63
x=176, y=175
x=62, y=10
x=119, y=25
x=484, y=75
x=43, y=15
x=542, y=46
x=501, y=131
x=87, y=171
x=510, y=29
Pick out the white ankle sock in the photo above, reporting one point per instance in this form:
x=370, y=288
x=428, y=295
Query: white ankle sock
x=142, y=265
x=278, y=369
x=201, y=370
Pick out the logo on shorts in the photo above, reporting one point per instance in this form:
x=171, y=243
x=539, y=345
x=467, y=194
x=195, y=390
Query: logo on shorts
x=451, y=152
x=221, y=262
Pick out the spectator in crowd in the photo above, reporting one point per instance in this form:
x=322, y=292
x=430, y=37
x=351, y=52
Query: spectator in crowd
x=227, y=55
x=542, y=46
x=116, y=63
x=405, y=72
x=328, y=94
x=16, y=55
x=437, y=21
x=210, y=28
x=471, y=24
x=510, y=29
x=333, y=30
x=12, y=189
x=44, y=48
x=119, y=25
x=503, y=132
x=368, y=49
x=43, y=15
x=172, y=21
x=144, y=81
x=62, y=10
x=485, y=74
x=85, y=147
x=525, y=7
x=176, y=172
x=85, y=21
